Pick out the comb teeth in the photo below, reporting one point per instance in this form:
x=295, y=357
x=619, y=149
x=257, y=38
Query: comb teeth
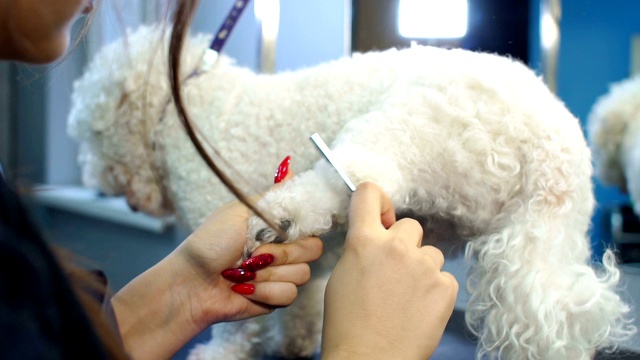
x=326, y=152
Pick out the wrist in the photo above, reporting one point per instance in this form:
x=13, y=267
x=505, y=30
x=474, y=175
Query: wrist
x=370, y=347
x=355, y=353
x=155, y=311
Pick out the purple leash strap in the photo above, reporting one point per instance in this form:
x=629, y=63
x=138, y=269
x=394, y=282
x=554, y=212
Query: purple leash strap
x=217, y=43
x=227, y=26
x=221, y=37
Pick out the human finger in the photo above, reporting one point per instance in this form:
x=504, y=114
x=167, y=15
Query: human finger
x=297, y=274
x=434, y=254
x=370, y=207
x=282, y=172
x=300, y=251
x=272, y=293
x=282, y=175
x=410, y=229
x=454, y=282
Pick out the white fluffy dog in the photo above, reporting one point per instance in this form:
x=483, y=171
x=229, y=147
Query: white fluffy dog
x=614, y=137
x=472, y=144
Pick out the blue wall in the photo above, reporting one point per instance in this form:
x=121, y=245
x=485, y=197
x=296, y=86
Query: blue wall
x=594, y=52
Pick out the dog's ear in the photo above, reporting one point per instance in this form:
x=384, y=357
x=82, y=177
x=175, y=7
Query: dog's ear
x=116, y=106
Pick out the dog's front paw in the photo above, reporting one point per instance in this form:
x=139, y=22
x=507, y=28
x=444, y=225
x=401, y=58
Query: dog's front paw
x=268, y=235
x=260, y=233
x=305, y=206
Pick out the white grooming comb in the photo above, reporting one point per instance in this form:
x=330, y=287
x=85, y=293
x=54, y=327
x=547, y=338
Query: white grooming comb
x=326, y=152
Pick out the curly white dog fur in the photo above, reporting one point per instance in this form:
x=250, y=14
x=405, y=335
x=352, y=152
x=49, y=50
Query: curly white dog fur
x=473, y=144
x=613, y=127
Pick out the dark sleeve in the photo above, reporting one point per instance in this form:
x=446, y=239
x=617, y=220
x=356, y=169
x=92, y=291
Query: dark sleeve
x=40, y=317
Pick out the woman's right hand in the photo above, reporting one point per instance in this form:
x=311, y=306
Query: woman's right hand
x=387, y=297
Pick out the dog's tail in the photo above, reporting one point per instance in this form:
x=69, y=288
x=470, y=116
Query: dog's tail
x=535, y=295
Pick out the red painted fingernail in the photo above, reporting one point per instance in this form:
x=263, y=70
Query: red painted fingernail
x=283, y=170
x=257, y=262
x=243, y=289
x=238, y=275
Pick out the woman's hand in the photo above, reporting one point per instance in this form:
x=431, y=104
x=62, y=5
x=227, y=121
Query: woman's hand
x=217, y=245
x=387, y=297
x=169, y=304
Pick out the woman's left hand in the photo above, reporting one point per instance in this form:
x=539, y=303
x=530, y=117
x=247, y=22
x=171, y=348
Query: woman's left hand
x=217, y=245
x=166, y=306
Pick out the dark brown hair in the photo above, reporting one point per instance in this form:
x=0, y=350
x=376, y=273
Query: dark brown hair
x=183, y=15
x=88, y=288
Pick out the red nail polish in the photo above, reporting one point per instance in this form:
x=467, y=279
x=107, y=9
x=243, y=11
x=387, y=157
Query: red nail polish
x=283, y=170
x=257, y=262
x=243, y=289
x=238, y=275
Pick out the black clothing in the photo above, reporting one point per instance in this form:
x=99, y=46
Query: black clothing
x=40, y=316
